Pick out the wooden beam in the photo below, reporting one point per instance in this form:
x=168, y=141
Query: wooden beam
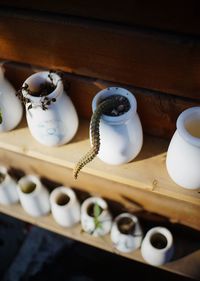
x=151, y=60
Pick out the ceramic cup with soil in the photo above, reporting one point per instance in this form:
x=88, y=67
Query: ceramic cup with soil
x=157, y=247
x=51, y=116
x=8, y=188
x=33, y=196
x=65, y=207
x=95, y=216
x=126, y=233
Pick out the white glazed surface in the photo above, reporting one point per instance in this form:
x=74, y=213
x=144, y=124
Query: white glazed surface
x=87, y=221
x=121, y=137
x=10, y=105
x=8, y=189
x=65, y=215
x=126, y=242
x=183, y=156
x=153, y=255
x=37, y=202
x=58, y=124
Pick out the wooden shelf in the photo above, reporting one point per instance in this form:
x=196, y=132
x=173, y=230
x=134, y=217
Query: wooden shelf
x=184, y=263
x=147, y=172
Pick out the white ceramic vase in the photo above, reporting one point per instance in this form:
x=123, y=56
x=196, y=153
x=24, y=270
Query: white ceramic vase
x=57, y=124
x=126, y=233
x=121, y=137
x=8, y=188
x=35, y=203
x=104, y=219
x=157, y=247
x=65, y=207
x=10, y=106
x=183, y=155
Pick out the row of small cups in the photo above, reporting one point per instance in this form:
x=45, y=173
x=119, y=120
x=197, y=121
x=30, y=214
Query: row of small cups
x=125, y=231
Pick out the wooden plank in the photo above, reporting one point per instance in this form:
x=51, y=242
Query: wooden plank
x=168, y=16
x=158, y=111
x=121, y=181
x=152, y=60
x=189, y=255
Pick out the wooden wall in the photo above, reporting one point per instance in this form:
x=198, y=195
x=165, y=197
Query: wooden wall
x=153, y=49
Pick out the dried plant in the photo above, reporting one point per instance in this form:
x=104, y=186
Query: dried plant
x=45, y=89
x=114, y=105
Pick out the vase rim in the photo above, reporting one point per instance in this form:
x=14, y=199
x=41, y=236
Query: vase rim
x=39, y=77
x=30, y=178
x=192, y=113
x=116, y=91
x=63, y=190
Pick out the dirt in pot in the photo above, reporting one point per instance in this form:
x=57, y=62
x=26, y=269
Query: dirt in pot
x=119, y=109
x=2, y=177
x=158, y=240
x=126, y=225
x=28, y=187
x=94, y=210
x=62, y=199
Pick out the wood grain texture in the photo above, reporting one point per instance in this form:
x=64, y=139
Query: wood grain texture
x=175, y=16
x=189, y=255
x=158, y=111
x=151, y=60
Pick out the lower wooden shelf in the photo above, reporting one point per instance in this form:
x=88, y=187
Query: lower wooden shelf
x=186, y=260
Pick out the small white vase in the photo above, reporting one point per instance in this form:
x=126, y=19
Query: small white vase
x=88, y=221
x=183, y=155
x=65, y=207
x=8, y=188
x=121, y=137
x=157, y=247
x=10, y=106
x=57, y=124
x=35, y=203
x=126, y=240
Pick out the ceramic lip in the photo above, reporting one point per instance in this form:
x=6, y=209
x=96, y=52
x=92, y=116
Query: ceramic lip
x=92, y=200
x=40, y=77
x=163, y=231
x=62, y=190
x=116, y=91
x=191, y=114
x=126, y=215
x=4, y=171
x=30, y=178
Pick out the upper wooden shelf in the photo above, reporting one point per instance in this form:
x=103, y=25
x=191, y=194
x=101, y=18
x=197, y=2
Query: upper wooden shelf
x=147, y=172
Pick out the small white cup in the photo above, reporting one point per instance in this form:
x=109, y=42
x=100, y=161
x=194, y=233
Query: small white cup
x=65, y=206
x=8, y=188
x=157, y=246
x=96, y=227
x=126, y=233
x=35, y=203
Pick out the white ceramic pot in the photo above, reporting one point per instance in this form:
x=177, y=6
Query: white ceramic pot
x=10, y=106
x=35, y=203
x=57, y=124
x=183, y=155
x=121, y=137
x=126, y=233
x=157, y=247
x=65, y=207
x=8, y=188
x=104, y=219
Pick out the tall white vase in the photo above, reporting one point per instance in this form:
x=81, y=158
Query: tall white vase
x=35, y=203
x=121, y=137
x=10, y=106
x=183, y=156
x=65, y=206
x=57, y=124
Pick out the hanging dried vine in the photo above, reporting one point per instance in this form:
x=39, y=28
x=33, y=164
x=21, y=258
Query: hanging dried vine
x=109, y=106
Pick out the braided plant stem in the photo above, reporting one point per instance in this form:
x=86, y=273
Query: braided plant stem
x=103, y=107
